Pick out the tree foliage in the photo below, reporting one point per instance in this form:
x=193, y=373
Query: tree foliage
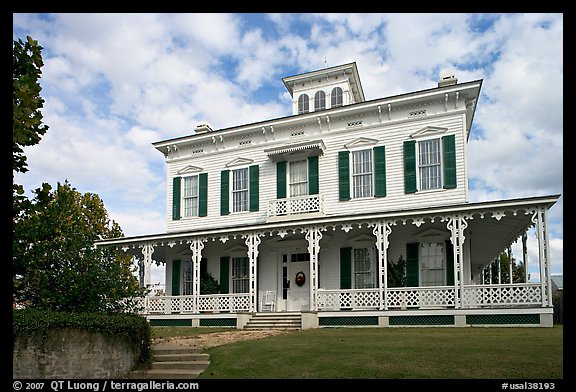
x=505, y=259
x=55, y=265
x=397, y=273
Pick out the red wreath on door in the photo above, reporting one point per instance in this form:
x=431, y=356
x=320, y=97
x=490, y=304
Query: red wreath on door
x=300, y=278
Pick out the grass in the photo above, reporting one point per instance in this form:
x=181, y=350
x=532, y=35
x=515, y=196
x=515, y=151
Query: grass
x=391, y=353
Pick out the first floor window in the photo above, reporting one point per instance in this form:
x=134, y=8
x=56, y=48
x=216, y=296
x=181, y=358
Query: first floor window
x=430, y=164
x=240, y=275
x=188, y=277
x=240, y=190
x=432, y=264
x=190, y=196
x=364, y=271
x=362, y=173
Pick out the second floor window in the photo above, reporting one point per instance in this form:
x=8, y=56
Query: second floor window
x=430, y=164
x=362, y=174
x=240, y=190
x=190, y=196
x=320, y=100
x=303, y=102
x=298, y=178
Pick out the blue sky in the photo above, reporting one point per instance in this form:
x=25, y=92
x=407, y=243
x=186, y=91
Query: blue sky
x=115, y=83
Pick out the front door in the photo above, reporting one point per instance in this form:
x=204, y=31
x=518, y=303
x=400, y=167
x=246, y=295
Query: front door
x=298, y=290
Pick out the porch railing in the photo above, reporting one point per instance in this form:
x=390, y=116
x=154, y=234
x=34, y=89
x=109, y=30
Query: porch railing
x=473, y=296
x=296, y=205
x=166, y=304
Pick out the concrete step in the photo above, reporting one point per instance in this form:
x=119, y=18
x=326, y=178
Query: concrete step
x=174, y=362
x=275, y=321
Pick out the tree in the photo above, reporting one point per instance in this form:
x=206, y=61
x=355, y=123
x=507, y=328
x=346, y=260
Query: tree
x=505, y=259
x=27, y=126
x=55, y=265
x=397, y=273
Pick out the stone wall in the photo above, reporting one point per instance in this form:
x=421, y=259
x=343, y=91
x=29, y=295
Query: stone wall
x=71, y=353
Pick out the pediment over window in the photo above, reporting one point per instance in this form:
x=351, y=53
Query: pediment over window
x=305, y=148
x=240, y=162
x=362, y=239
x=432, y=235
x=428, y=131
x=190, y=169
x=360, y=142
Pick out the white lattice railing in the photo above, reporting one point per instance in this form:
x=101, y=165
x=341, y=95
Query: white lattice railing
x=167, y=304
x=495, y=295
x=438, y=296
x=348, y=299
x=296, y=205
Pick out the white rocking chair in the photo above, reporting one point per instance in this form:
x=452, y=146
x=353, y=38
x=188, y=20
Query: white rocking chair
x=268, y=301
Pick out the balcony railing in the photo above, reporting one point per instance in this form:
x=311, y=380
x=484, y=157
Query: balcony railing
x=296, y=205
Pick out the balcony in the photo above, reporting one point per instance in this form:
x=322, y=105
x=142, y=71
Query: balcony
x=290, y=207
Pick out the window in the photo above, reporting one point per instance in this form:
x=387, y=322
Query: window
x=296, y=257
x=298, y=178
x=303, y=102
x=336, y=97
x=240, y=190
x=190, y=196
x=362, y=173
x=319, y=100
x=432, y=264
x=430, y=164
x=364, y=276
x=188, y=278
x=240, y=275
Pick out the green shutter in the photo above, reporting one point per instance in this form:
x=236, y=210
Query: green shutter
x=379, y=171
x=175, y=277
x=281, y=180
x=203, y=266
x=345, y=268
x=224, y=192
x=344, y=175
x=176, y=198
x=313, y=185
x=203, y=194
x=449, y=142
x=254, y=184
x=410, y=166
x=449, y=263
x=224, y=274
x=412, y=268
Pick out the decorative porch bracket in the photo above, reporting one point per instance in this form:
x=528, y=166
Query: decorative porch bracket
x=457, y=225
x=147, y=250
x=252, y=241
x=382, y=230
x=313, y=236
x=196, y=246
x=539, y=218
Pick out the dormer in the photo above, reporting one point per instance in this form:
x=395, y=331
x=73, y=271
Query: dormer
x=324, y=89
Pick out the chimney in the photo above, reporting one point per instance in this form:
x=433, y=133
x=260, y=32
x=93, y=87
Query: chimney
x=447, y=79
x=203, y=127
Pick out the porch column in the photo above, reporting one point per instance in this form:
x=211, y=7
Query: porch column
x=252, y=242
x=525, y=255
x=382, y=230
x=147, y=250
x=196, y=246
x=313, y=236
x=457, y=225
x=539, y=218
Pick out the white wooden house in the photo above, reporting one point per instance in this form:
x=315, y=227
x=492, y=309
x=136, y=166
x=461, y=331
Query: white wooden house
x=301, y=215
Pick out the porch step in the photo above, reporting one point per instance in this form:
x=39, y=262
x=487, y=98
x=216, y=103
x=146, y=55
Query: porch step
x=275, y=321
x=174, y=362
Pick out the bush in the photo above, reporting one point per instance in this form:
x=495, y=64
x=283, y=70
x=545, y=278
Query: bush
x=35, y=324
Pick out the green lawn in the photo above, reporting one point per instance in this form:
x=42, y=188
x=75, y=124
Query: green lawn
x=394, y=353
x=388, y=353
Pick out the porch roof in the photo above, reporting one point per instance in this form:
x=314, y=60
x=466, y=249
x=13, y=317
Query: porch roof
x=493, y=233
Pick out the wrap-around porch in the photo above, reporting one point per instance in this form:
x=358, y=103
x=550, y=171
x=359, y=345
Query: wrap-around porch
x=473, y=236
